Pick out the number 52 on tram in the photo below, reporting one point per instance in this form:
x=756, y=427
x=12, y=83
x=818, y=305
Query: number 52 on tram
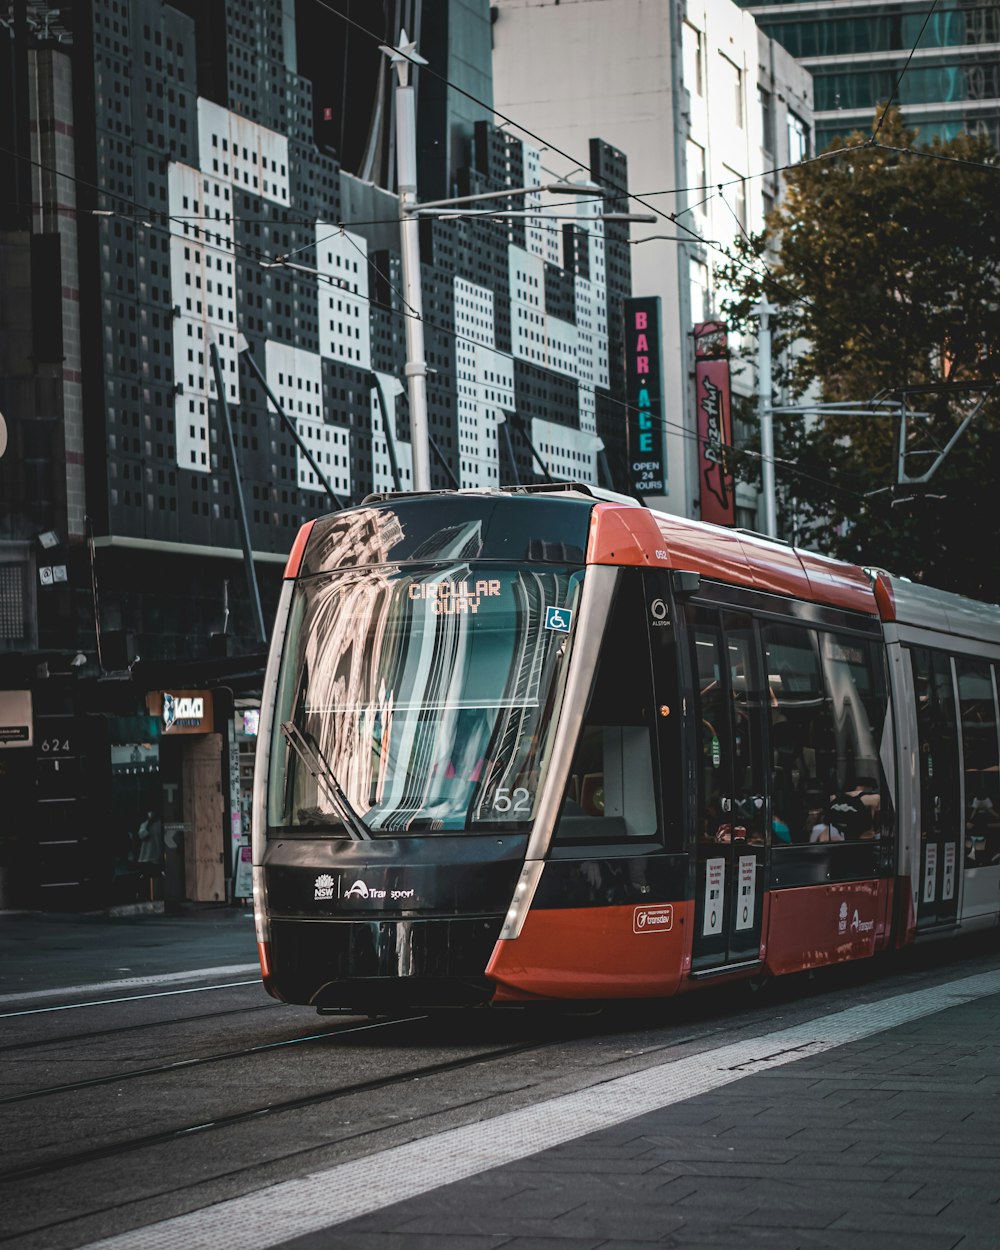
x=537, y=745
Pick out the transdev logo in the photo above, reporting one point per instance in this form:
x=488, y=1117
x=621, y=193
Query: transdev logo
x=659, y=919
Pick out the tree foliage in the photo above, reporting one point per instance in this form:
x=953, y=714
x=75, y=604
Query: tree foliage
x=882, y=267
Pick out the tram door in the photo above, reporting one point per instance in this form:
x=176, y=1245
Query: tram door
x=730, y=840
x=940, y=806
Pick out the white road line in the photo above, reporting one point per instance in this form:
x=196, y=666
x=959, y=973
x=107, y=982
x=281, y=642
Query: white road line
x=125, y=998
x=324, y=1199
x=129, y=983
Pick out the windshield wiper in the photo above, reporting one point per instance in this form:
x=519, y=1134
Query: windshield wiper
x=321, y=771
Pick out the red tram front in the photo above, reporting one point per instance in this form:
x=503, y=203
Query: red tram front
x=528, y=745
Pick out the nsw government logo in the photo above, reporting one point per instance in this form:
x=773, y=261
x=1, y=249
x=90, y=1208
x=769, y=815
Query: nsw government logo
x=324, y=886
x=658, y=919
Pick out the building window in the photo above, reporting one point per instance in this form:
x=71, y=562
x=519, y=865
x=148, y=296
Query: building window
x=697, y=178
x=734, y=76
x=766, y=120
x=693, y=45
x=798, y=139
x=735, y=192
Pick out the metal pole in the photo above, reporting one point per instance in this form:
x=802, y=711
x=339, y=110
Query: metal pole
x=505, y=425
x=519, y=422
x=444, y=464
x=290, y=427
x=765, y=413
x=409, y=240
x=234, y=470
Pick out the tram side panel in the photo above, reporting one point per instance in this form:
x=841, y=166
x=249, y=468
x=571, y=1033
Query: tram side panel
x=945, y=652
x=611, y=916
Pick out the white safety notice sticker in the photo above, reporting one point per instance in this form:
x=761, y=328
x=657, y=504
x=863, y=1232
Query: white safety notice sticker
x=715, y=885
x=948, y=877
x=746, y=894
x=930, y=872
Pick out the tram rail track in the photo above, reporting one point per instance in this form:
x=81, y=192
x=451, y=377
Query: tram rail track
x=39, y=1043
x=78, y=1158
x=177, y=1065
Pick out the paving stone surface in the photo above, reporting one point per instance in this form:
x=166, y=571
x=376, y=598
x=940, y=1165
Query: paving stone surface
x=892, y=1142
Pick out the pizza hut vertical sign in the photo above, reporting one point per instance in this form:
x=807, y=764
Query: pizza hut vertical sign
x=644, y=385
x=711, y=374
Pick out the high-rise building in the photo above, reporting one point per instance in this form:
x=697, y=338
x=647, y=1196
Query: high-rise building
x=181, y=223
x=709, y=111
x=938, y=62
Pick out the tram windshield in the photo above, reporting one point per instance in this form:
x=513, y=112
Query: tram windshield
x=419, y=701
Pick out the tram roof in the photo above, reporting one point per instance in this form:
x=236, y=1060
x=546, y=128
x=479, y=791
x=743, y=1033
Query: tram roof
x=925, y=607
x=738, y=557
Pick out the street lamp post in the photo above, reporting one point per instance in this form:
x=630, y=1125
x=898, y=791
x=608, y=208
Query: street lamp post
x=765, y=413
x=406, y=176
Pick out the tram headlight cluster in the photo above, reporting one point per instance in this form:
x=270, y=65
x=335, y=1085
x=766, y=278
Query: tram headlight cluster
x=524, y=892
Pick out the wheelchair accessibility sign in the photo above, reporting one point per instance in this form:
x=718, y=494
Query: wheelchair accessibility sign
x=558, y=619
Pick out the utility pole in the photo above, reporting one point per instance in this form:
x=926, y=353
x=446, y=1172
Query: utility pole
x=409, y=238
x=765, y=413
x=237, y=484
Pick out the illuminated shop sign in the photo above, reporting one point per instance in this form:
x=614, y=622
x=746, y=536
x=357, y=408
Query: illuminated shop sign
x=16, y=719
x=713, y=400
x=182, y=711
x=644, y=389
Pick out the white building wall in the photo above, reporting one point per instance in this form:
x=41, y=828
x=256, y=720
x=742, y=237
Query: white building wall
x=244, y=153
x=527, y=305
x=382, y=478
x=344, y=321
x=570, y=455
x=296, y=378
x=202, y=291
x=485, y=381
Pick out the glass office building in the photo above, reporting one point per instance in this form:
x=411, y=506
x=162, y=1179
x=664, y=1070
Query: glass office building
x=856, y=52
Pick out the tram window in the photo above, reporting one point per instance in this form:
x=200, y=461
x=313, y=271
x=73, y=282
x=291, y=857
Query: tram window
x=982, y=762
x=854, y=675
x=610, y=795
x=938, y=738
x=803, y=770
x=828, y=716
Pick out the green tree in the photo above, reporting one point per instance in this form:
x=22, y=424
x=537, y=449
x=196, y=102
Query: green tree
x=882, y=264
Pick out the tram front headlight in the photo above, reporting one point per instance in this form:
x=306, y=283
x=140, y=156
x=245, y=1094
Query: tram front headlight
x=520, y=904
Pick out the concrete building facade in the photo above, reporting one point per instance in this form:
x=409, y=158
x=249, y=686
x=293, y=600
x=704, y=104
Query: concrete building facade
x=709, y=111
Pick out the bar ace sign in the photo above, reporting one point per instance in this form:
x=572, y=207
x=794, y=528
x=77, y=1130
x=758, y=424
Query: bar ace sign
x=644, y=387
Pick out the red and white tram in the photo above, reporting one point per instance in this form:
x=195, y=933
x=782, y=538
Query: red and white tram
x=538, y=744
